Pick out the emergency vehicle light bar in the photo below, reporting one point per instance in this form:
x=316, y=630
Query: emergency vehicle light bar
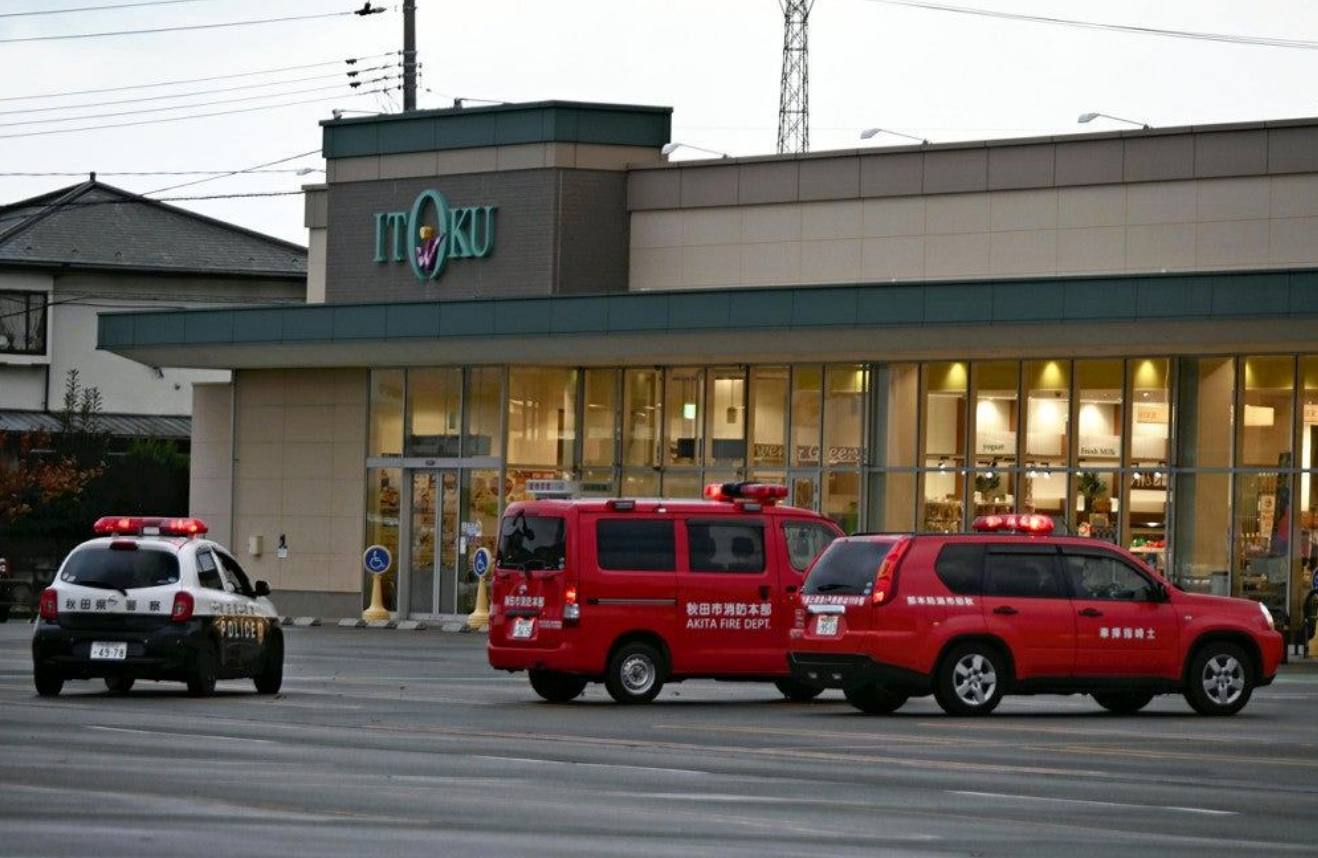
x=1026, y=522
x=116, y=525
x=765, y=493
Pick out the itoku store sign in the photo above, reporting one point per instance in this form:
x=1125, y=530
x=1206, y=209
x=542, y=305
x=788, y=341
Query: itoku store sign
x=431, y=233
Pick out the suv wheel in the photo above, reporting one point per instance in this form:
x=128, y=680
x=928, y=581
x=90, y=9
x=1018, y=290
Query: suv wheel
x=635, y=674
x=271, y=677
x=48, y=684
x=874, y=699
x=1220, y=681
x=1123, y=702
x=970, y=680
x=119, y=684
x=204, y=673
x=797, y=691
x=556, y=687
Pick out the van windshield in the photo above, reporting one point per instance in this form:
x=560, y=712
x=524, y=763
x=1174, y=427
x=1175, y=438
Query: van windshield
x=846, y=568
x=531, y=542
x=114, y=569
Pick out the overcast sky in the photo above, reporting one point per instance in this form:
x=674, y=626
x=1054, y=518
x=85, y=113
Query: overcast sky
x=717, y=62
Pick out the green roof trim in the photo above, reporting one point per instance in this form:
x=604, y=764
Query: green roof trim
x=498, y=125
x=1138, y=299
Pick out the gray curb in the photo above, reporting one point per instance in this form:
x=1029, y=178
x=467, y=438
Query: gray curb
x=451, y=626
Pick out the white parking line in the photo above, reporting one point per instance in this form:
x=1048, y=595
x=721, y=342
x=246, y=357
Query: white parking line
x=156, y=734
x=1202, y=810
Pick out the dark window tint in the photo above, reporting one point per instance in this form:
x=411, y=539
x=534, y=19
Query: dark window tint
x=531, y=542
x=236, y=574
x=116, y=569
x=960, y=568
x=640, y=545
x=1025, y=575
x=717, y=546
x=1106, y=577
x=805, y=541
x=847, y=568
x=208, y=574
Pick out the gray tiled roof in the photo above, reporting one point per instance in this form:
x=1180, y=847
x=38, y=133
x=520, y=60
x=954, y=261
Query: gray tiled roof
x=94, y=225
x=118, y=425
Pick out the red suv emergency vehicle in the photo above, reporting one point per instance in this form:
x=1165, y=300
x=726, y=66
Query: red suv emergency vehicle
x=636, y=593
x=1012, y=610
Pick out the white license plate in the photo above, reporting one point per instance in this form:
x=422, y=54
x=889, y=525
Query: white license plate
x=826, y=625
x=522, y=627
x=110, y=651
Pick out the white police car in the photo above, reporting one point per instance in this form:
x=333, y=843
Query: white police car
x=152, y=599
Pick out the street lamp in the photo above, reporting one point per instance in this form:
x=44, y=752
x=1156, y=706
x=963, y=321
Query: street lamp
x=871, y=132
x=1090, y=117
x=670, y=148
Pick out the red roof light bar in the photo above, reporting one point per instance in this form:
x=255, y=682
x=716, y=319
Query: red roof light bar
x=119, y=525
x=1025, y=522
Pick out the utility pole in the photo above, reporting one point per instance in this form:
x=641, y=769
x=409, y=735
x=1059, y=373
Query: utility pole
x=794, y=94
x=409, y=55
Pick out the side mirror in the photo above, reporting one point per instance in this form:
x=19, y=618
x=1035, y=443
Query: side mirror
x=261, y=589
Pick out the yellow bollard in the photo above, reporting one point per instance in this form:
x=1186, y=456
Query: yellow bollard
x=377, y=610
x=479, y=620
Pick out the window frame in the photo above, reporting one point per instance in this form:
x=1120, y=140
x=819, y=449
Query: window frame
x=41, y=311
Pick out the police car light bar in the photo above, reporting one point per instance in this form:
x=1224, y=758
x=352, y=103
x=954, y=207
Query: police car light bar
x=1026, y=522
x=765, y=493
x=117, y=525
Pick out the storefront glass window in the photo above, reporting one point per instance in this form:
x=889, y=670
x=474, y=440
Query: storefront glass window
x=1047, y=415
x=683, y=484
x=434, y=407
x=1262, y=547
x=1203, y=533
x=944, y=500
x=842, y=499
x=1267, y=412
x=542, y=416
x=1096, y=508
x=1044, y=492
x=1099, y=414
x=382, y=517
x=1309, y=413
x=1151, y=412
x=484, y=412
x=684, y=400
x=386, y=424
x=891, y=502
x=844, y=407
x=480, y=517
x=805, y=492
x=601, y=418
x=598, y=483
x=1146, y=516
x=993, y=492
x=640, y=417
x=896, y=402
x=996, y=419
x=768, y=421
x=726, y=417
x=514, y=484
x=1205, y=419
x=944, y=429
x=640, y=484
x=807, y=390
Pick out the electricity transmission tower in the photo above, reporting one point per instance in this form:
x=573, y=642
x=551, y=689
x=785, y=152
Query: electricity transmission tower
x=794, y=97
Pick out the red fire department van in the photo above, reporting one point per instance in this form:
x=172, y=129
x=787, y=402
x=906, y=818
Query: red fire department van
x=1013, y=610
x=636, y=593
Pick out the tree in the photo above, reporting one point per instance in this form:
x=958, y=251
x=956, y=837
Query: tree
x=33, y=477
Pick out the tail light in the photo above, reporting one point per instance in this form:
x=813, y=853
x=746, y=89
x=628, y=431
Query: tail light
x=885, y=582
x=571, y=610
x=183, y=607
x=49, y=604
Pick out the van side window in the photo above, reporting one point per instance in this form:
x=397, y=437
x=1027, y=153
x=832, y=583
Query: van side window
x=636, y=544
x=961, y=568
x=805, y=541
x=725, y=546
x=1032, y=576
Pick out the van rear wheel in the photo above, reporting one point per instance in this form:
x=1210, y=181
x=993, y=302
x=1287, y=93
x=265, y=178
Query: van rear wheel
x=797, y=691
x=556, y=687
x=635, y=674
x=874, y=699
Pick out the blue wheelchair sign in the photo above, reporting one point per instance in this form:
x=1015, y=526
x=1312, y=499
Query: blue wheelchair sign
x=377, y=560
x=480, y=562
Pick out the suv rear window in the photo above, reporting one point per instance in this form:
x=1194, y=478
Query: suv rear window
x=847, y=568
x=531, y=542
x=960, y=568
x=115, y=569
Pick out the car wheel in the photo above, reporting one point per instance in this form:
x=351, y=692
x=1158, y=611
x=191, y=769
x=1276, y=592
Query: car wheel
x=204, y=673
x=874, y=699
x=1123, y=702
x=635, y=674
x=48, y=684
x=797, y=691
x=1220, y=681
x=556, y=687
x=119, y=684
x=271, y=677
x=970, y=680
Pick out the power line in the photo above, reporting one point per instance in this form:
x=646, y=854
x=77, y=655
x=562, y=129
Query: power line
x=236, y=172
x=99, y=8
x=237, y=100
x=77, y=173
x=349, y=61
x=250, y=23
x=193, y=116
x=351, y=74
x=1228, y=38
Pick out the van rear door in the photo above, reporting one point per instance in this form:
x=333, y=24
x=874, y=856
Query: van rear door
x=530, y=578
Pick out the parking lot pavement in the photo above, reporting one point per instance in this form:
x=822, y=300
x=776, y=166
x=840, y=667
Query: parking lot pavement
x=386, y=743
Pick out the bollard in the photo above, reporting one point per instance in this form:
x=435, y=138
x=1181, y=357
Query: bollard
x=480, y=617
x=377, y=610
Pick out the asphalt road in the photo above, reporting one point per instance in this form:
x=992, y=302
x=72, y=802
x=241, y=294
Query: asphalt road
x=395, y=743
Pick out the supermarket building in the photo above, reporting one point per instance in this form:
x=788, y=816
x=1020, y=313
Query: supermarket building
x=1117, y=329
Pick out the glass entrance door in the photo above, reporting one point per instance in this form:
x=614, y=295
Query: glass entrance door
x=432, y=556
